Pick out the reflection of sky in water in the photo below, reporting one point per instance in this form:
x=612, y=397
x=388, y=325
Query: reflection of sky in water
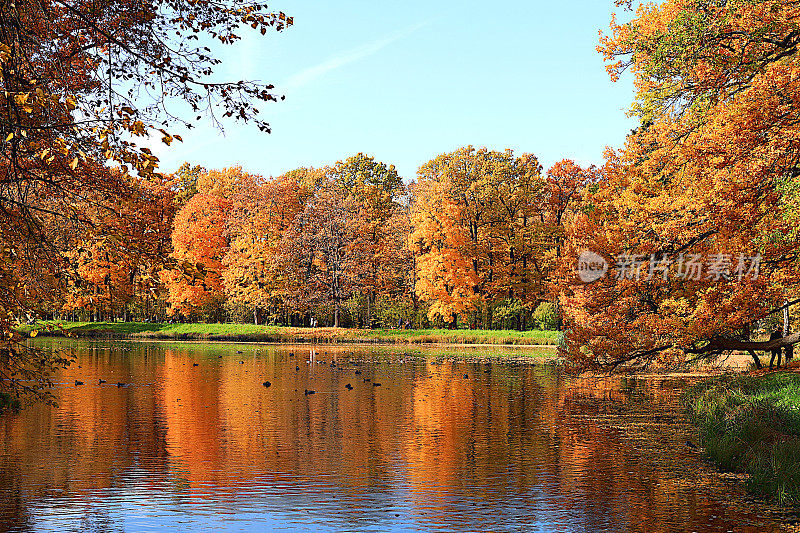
x=140, y=511
x=509, y=447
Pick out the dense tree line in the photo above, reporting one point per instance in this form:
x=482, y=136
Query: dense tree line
x=474, y=239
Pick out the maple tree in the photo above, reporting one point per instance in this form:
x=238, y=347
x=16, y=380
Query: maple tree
x=704, y=177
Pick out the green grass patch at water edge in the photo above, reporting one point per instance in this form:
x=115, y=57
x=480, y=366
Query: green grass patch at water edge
x=751, y=424
x=460, y=336
x=252, y=332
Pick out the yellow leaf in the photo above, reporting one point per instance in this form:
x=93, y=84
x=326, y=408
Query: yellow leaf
x=10, y=136
x=74, y=164
x=34, y=333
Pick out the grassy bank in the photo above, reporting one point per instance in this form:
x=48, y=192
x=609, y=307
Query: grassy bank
x=751, y=424
x=253, y=333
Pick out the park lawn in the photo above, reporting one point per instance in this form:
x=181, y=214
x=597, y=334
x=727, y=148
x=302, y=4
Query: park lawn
x=253, y=333
x=751, y=424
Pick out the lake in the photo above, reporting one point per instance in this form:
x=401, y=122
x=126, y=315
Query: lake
x=187, y=437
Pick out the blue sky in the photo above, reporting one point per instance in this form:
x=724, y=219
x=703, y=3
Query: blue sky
x=407, y=80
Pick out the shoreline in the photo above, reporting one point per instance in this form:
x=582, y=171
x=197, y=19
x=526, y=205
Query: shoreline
x=248, y=333
x=748, y=425
x=354, y=343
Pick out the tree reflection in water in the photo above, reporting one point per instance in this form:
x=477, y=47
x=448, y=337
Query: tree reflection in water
x=512, y=446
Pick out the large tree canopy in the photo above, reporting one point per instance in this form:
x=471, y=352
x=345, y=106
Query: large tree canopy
x=85, y=84
x=703, y=191
x=487, y=226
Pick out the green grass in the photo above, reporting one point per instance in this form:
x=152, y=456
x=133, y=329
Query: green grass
x=751, y=424
x=251, y=332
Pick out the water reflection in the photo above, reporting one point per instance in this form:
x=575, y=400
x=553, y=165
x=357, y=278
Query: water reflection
x=193, y=439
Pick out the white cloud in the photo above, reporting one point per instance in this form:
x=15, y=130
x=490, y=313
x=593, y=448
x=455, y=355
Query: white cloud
x=243, y=63
x=310, y=74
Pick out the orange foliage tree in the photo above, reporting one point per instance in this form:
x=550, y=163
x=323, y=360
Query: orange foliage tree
x=344, y=244
x=257, y=223
x=378, y=192
x=200, y=243
x=481, y=232
x=319, y=253
x=199, y=247
x=695, y=215
x=116, y=274
x=82, y=81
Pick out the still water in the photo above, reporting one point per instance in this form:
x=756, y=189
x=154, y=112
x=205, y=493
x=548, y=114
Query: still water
x=451, y=440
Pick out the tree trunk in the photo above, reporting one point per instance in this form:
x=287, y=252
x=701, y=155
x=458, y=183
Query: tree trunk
x=786, y=320
x=756, y=360
x=336, y=315
x=255, y=316
x=749, y=346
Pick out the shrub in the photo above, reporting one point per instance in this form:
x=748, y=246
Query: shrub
x=546, y=316
x=508, y=310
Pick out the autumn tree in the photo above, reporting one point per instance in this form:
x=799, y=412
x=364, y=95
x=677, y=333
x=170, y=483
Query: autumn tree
x=396, y=298
x=184, y=182
x=200, y=242
x=566, y=183
x=199, y=247
x=319, y=254
x=480, y=232
x=259, y=218
x=378, y=191
x=694, y=216
x=116, y=274
x=82, y=83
